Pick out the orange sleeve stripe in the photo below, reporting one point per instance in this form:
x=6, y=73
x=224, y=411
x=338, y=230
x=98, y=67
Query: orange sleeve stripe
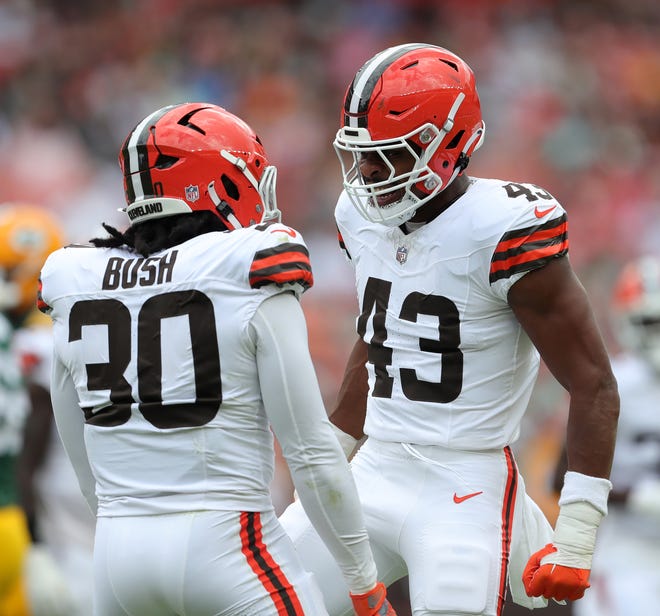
x=281, y=264
x=529, y=255
x=536, y=236
x=279, y=259
x=280, y=253
x=306, y=279
x=522, y=250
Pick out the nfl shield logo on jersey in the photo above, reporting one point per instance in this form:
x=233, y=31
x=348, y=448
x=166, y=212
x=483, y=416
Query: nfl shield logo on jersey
x=401, y=254
x=192, y=193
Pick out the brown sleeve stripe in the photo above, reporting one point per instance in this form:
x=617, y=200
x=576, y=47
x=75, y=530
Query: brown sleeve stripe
x=538, y=233
x=340, y=239
x=41, y=304
x=526, y=249
x=286, y=263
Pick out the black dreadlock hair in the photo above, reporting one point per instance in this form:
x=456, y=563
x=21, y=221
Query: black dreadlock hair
x=155, y=235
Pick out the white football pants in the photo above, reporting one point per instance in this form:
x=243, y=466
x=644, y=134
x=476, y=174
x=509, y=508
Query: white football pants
x=207, y=563
x=452, y=521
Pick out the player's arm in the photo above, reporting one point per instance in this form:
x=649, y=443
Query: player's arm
x=350, y=409
x=70, y=426
x=47, y=588
x=36, y=441
x=554, y=310
x=319, y=470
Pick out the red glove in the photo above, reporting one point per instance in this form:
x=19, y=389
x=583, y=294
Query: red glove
x=373, y=603
x=554, y=581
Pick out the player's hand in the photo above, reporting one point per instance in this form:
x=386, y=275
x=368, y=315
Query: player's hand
x=373, y=603
x=545, y=576
x=561, y=569
x=47, y=590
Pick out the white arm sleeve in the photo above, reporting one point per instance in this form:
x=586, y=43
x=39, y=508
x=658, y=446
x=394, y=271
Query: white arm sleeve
x=70, y=425
x=319, y=468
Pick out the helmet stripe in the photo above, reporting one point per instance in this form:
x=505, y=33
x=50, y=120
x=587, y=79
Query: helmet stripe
x=136, y=158
x=362, y=88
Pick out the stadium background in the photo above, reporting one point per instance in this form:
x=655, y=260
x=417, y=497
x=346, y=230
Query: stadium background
x=570, y=93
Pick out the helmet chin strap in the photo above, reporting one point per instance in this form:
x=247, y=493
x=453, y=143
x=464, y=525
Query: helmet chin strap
x=432, y=182
x=224, y=209
x=265, y=189
x=461, y=164
x=463, y=158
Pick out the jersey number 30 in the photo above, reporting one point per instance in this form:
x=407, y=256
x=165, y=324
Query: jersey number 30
x=448, y=387
x=110, y=376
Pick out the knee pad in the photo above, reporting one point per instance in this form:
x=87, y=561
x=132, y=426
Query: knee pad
x=458, y=579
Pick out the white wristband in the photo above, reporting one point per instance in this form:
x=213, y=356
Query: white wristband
x=346, y=441
x=582, y=505
x=585, y=488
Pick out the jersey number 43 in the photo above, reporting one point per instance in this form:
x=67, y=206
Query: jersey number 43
x=450, y=366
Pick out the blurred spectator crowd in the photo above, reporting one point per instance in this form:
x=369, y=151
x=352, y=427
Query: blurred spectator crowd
x=570, y=92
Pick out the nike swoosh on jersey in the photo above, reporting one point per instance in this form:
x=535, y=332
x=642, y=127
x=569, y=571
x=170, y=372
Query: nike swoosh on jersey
x=286, y=230
x=460, y=499
x=539, y=213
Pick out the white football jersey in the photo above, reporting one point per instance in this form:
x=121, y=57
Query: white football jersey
x=449, y=364
x=161, y=344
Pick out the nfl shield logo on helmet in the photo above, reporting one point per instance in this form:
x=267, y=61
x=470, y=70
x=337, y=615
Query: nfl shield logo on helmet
x=192, y=193
x=402, y=254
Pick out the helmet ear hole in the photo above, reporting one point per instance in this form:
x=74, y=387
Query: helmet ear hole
x=230, y=187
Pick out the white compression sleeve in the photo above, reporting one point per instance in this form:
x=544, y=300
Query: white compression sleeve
x=70, y=425
x=319, y=468
x=347, y=442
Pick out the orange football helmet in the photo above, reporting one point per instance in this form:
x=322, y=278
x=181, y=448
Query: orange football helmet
x=28, y=234
x=419, y=97
x=197, y=156
x=636, y=307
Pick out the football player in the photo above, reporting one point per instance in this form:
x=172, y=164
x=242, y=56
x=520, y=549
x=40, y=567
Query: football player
x=626, y=577
x=461, y=283
x=32, y=579
x=179, y=343
x=58, y=515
